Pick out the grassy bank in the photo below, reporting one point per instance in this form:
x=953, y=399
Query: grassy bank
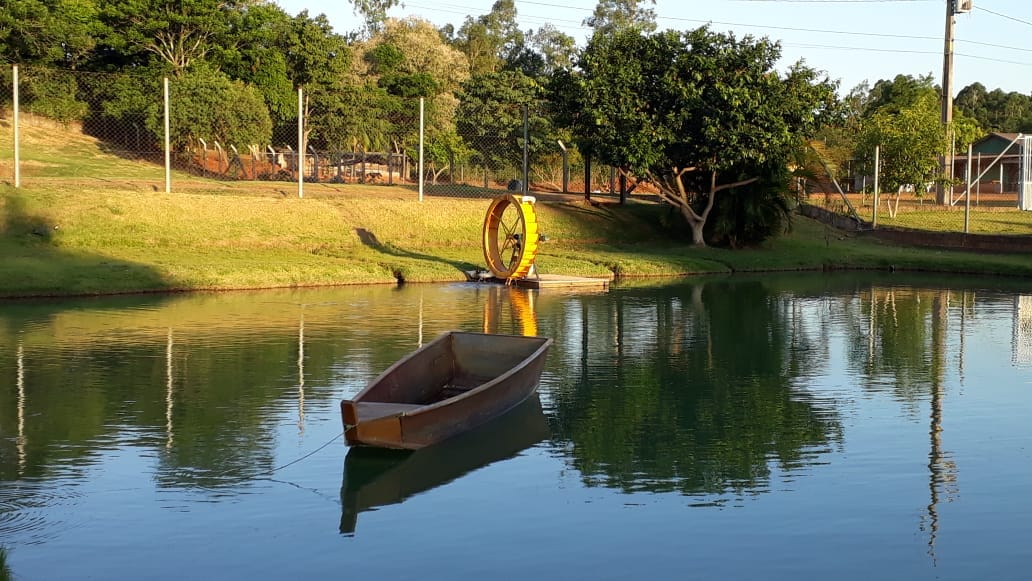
x=58, y=241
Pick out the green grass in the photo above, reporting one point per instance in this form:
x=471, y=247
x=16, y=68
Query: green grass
x=62, y=235
x=980, y=221
x=60, y=242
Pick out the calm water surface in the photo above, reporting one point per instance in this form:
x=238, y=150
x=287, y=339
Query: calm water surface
x=848, y=427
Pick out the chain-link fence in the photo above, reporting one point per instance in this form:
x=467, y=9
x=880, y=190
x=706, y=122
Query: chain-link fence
x=110, y=130
x=98, y=129
x=982, y=197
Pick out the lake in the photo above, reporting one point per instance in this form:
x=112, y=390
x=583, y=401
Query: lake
x=847, y=426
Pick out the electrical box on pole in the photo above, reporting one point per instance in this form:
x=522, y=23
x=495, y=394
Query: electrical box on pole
x=962, y=6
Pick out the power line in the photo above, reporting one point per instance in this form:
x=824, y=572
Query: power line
x=801, y=29
x=579, y=24
x=1003, y=15
x=903, y=51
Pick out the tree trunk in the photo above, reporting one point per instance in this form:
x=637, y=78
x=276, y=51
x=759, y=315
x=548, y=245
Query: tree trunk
x=696, y=225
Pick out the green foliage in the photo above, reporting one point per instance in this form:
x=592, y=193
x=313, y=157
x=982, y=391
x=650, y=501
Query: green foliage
x=492, y=39
x=384, y=58
x=690, y=111
x=911, y=137
x=490, y=118
x=373, y=11
x=619, y=15
x=996, y=110
x=257, y=56
x=177, y=34
x=53, y=32
x=53, y=94
x=903, y=91
x=543, y=52
x=209, y=106
x=750, y=214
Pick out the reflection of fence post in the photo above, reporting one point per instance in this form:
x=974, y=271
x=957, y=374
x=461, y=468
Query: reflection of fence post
x=17, y=142
x=168, y=142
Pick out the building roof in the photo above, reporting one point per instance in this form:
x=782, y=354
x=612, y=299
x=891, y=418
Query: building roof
x=995, y=142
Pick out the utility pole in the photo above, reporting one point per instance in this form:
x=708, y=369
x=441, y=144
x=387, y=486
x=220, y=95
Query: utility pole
x=953, y=7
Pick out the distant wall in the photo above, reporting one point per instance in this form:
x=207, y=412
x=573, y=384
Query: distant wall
x=953, y=240
x=835, y=220
x=923, y=238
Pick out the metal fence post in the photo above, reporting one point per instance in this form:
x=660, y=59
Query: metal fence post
x=17, y=136
x=300, y=143
x=526, y=149
x=168, y=141
x=877, y=168
x=566, y=167
x=967, y=195
x=421, y=127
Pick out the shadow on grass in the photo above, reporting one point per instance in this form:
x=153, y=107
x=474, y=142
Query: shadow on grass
x=35, y=265
x=371, y=241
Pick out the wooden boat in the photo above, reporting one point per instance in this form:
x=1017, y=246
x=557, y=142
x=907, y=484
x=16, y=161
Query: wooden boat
x=450, y=385
x=377, y=477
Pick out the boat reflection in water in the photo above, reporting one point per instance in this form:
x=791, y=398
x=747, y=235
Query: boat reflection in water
x=375, y=477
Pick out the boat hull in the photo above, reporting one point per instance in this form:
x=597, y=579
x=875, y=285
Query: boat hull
x=449, y=386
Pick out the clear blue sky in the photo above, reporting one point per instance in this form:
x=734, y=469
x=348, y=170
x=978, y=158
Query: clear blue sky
x=852, y=40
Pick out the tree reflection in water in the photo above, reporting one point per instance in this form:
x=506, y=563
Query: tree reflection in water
x=692, y=390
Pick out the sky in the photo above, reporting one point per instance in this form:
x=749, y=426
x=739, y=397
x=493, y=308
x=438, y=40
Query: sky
x=852, y=40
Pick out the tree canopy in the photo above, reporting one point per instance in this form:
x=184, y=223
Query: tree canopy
x=714, y=121
x=696, y=112
x=903, y=117
x=996, y=110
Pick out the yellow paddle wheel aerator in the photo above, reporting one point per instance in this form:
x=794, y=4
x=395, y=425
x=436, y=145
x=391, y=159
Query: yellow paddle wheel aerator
x=510, y=237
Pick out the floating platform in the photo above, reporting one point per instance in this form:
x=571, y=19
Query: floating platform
x=544, y=281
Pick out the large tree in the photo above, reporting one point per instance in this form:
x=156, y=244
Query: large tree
x=374, y=12
x=902, y=116
x=53, y=33
x=995, y=110
x=693, y=112
x=490, y=40
x=177, y=34
x=409, y=59
x=615, y=15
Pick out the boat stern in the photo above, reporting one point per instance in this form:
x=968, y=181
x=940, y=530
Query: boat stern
x=375, y=424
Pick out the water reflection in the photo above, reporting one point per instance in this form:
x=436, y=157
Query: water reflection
x=711, y=389
x=1022, y=350
x=375, y=478
x=692, y=389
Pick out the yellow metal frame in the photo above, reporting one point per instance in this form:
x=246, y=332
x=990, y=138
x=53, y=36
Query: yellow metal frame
x=510, y=248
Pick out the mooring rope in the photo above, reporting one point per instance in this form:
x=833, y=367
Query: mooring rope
x=308, y=455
